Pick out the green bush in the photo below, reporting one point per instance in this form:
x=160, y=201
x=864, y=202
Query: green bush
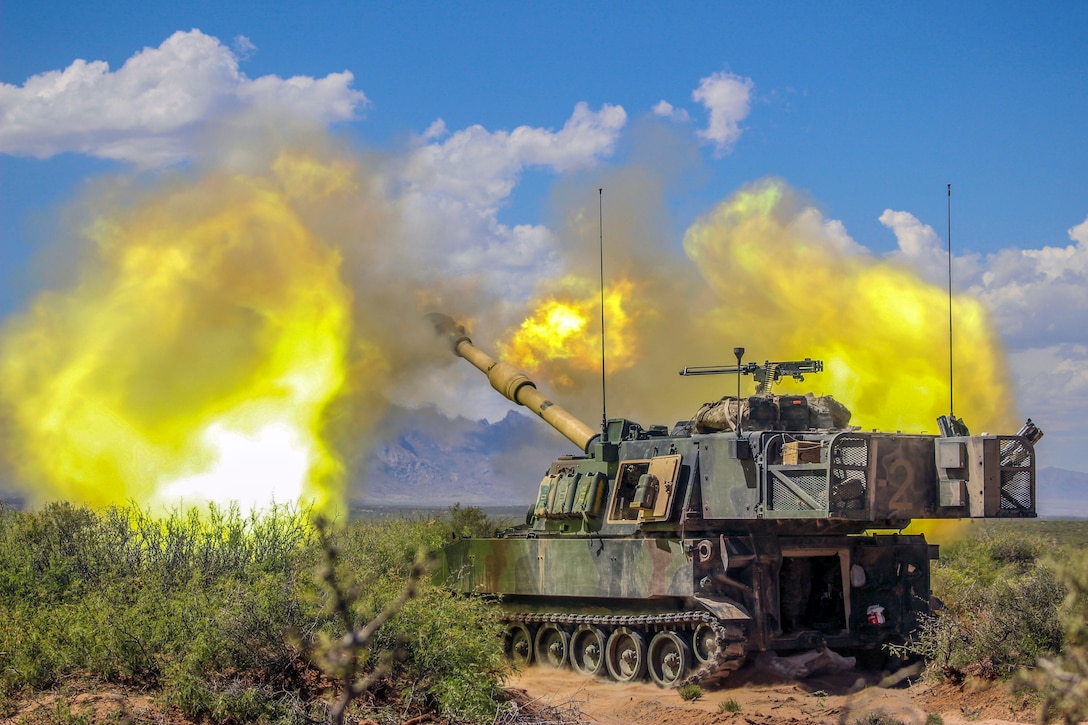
x=1062, y=679
x=1001, y=608
x=447, y=648
x=451, y=647
x=470, y=521
x=125, y=594
x=221, y=613
x=40, y=558
x=877, y=719
x=689, y=692
x=225, y=699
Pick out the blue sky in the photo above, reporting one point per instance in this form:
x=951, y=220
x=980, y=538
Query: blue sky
x=861, y=107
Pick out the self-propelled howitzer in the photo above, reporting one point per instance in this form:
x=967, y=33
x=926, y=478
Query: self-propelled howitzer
x=679, y=552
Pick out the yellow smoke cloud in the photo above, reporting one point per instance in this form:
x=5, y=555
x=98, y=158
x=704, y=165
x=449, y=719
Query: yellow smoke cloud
x=784, y=279
x=226, y=336
x=767, y=272
x=196, y=355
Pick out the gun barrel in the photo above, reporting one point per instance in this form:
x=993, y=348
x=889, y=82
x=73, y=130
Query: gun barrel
x=746, y=369
x=514, y=384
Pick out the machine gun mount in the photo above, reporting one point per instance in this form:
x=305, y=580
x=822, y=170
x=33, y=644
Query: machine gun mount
x=765, y=375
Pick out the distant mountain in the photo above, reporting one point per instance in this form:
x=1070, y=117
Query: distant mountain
x=1061, y=493
x=9, y=496
x=12, y=500
x=426, y=459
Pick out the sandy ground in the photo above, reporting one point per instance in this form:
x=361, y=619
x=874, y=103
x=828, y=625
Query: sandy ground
x=766, y=699
x=762, y=698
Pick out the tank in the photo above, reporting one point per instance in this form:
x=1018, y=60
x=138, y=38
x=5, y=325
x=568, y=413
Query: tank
x=749, y=528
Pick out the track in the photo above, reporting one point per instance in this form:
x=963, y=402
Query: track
x=673, y=648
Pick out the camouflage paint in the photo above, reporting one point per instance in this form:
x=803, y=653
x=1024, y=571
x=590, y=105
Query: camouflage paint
x=575, y=567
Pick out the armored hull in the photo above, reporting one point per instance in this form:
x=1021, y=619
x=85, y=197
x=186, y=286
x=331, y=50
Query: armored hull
x=678, y=553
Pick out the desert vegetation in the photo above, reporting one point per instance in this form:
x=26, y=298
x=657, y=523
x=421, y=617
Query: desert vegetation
x=221, y=616
x=228, y=617
x=1000, y=608
x=1015, y=607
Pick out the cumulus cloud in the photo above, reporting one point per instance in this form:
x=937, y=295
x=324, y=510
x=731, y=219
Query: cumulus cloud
x=454, y=184
x=924, y=250
x=1052, y=386
x=243, y=47
x=436, y=130
x=150, y=110
x=1038, y=297
x=916, y=240
x=726, y=97
x=1079, y=233
x=667, y=110
x=477, y=169
x=480, y=167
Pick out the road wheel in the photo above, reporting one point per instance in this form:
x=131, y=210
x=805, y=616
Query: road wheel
x=518, y=644
x=552, y=646
x=587, y=646
x=704, y=644
x=668, y=659
x=625, y=655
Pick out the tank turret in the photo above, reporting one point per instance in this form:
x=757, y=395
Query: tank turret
x=678, y=552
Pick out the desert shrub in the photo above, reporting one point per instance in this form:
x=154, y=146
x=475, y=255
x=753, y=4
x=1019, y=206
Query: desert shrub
x=40, y=552
x=62, y=551
x=466, y=521
x=1001, y=608
x=384, y=551
x=689, y=692
x=117, y=594
x=729, y=705
x=447, y=648
x=969, y=566
x=219, y=613
x=451, y=647
x=877, y=719
x=1062, y=679
x=227, y=699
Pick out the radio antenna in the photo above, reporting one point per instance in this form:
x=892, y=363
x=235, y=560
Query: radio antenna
x=951, y=395
x=600, y=226
x=739, y=352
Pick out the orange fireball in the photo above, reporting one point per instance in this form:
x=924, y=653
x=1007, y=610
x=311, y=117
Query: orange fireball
x=563, y=333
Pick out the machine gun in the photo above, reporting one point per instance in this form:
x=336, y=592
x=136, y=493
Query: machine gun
x=766, y=375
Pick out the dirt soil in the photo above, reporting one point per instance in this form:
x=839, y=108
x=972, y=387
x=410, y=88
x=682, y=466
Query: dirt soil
x=112, y=706
x=767, y=699
x=562, y=696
